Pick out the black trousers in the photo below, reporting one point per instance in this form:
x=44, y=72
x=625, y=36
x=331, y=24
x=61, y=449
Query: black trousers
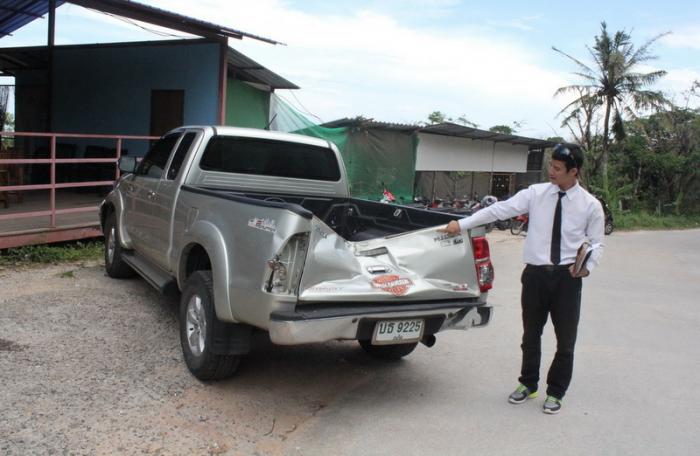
x=549, y=290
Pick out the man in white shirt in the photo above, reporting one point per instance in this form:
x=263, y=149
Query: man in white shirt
x=562, y=214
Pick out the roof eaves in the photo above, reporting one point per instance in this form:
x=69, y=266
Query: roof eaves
x=168, y=19
x=249, y=70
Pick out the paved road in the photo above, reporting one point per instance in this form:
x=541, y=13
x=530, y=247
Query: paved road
x=90, y=365
x=636, y=377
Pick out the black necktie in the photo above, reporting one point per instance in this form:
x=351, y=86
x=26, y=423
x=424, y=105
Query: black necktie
x=555, y=252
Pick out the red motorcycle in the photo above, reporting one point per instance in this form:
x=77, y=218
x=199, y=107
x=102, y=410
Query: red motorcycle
x=519, y=224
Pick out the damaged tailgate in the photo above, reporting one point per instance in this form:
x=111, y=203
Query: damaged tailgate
x=417, y=265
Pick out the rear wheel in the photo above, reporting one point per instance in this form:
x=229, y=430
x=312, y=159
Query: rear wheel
x=114, y=263
x=397, y=351
x=197, y=320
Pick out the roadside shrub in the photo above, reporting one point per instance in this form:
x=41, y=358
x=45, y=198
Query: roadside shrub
x=42, y=254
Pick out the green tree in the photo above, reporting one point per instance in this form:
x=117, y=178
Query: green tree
x=615, y=83
x=661, y=159
x=504, y=129
x=436, y=117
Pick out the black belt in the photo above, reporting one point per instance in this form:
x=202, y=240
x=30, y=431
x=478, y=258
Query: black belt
x=549, y=267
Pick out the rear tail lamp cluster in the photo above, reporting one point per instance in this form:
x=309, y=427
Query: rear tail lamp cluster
x=284, y=270
x=482, y=259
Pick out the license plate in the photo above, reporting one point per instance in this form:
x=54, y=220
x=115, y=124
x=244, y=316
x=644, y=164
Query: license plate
x=397, y=331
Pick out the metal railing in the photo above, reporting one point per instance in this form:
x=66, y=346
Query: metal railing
x=52, y=186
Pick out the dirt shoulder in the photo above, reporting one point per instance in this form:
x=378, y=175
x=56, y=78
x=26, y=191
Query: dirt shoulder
x=92, y=365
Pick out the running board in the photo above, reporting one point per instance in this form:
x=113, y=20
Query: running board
x=161, y=281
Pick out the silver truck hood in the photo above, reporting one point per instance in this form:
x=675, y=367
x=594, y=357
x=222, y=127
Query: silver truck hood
x=404, y=266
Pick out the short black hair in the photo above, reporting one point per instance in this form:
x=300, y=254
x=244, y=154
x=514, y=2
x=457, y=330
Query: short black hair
x=571, y=156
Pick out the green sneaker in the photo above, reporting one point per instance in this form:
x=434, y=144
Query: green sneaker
x=521, y=394
x=552, y=405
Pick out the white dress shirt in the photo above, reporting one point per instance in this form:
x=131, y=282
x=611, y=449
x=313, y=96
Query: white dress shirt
x=581, y=218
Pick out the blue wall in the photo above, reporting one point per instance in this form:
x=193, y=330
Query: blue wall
x=107, y=90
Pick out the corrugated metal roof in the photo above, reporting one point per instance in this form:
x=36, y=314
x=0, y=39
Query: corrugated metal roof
x=36, y=57
x=370, y=123
x=249, y=70
x=445, y=129
x=15, y=14
x=152, y=15
x=461, y=131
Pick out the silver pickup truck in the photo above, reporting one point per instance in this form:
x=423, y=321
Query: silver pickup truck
x=256, y=230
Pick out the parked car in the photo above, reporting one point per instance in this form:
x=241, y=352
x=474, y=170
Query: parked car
x=256, y=231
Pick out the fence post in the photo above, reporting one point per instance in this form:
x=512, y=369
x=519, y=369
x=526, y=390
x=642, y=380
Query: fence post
x=119, y=155
x=53, y=181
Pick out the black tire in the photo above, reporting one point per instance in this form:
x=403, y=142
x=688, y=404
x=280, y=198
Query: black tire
x=516, y=227
x=609, y=226
x=114, y=263
x=197, y=347
x=396, y=351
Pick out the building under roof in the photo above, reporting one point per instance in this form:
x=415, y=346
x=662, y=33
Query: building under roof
x=88, y=104
x=204, y=78
x=451, y=160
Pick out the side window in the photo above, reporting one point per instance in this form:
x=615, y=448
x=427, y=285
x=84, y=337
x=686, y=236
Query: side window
x=153, y=164
x=180, y=154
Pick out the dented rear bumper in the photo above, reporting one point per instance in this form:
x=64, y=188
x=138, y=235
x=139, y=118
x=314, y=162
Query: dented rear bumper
x=324, y=322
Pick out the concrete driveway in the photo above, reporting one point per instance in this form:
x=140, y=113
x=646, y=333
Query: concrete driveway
x=636, y=375
x=90, y=365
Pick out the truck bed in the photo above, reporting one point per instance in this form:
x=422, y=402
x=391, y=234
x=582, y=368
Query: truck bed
x=351, y=218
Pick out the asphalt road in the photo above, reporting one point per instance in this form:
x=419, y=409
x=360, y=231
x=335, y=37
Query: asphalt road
x=91, y=365
x=636, y=373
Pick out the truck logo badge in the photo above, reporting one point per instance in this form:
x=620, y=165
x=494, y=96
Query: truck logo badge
x=446, y=240
x=396, y=285
x=263, y=224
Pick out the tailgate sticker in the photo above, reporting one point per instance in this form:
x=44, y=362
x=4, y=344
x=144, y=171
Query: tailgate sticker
x=264, y=224
x=396, y=285
x=446, y=240
x=325, y=289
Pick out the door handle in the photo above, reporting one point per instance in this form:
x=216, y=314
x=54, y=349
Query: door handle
x=151, y=195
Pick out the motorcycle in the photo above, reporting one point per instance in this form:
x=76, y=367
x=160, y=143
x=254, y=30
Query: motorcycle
x=608, y=216
x=486, y=201
x=519, y=224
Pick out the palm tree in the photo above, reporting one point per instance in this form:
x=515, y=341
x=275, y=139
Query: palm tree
x=615, y=83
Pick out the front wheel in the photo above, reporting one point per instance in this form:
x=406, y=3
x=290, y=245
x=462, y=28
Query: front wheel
x=197, y=320
x=516, y=227
x=115, y=265
x=397, y=351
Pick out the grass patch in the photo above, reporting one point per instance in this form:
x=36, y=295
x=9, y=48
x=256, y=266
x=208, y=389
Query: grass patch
x=647, y=221
x=55, y=253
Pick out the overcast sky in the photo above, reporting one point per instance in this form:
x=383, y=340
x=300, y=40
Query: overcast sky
x=397, y=61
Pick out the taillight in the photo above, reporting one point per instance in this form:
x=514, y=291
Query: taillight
x=284, y=270
x=482, y=260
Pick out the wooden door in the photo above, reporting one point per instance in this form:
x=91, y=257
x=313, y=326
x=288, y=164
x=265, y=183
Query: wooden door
x=167, y=110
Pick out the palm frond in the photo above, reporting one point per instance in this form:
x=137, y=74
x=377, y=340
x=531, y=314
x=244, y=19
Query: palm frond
x=642, y=53
x=585, y=68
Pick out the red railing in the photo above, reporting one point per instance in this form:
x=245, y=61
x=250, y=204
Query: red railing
x=53, y=161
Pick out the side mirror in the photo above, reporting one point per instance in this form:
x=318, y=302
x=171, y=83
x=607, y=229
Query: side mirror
x=127, y=164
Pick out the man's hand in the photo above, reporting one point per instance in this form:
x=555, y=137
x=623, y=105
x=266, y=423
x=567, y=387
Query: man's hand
x=582, y=273
x=452, y=228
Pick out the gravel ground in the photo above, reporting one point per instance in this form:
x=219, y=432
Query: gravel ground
x=91, y=365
